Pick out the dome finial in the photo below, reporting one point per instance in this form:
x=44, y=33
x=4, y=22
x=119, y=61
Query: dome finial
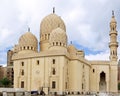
x=53, y=9
x=112, y=13
x=28, y=29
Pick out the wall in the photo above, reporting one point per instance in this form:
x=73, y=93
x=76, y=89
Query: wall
x=95, y=76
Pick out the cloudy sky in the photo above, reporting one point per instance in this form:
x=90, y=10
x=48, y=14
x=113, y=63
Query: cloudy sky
x=87, y=23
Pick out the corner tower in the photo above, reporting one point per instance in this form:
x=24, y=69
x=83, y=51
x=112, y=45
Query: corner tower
x=113, y=45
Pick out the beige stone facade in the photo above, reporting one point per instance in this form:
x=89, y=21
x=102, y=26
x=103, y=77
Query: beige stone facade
x=3, y=72
x=59, y=67
x=119, y=71
x=10, y=71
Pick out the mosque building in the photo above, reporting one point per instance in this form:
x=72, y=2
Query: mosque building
x=61, y=67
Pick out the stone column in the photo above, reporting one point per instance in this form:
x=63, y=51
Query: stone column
x=4, y=93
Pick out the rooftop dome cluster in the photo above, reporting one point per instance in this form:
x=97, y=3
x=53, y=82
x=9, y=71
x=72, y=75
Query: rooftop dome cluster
x=52, y=31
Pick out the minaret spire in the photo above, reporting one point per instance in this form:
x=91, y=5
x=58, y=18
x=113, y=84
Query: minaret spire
x=112, y=13
x=53, y=9
x=113, y=45
x=28, y=29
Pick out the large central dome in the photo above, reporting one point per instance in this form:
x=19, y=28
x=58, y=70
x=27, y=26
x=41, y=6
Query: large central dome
x=50, y=23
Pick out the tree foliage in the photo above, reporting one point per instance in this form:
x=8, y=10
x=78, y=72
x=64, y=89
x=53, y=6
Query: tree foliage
x=5, y=82
x=119, y=86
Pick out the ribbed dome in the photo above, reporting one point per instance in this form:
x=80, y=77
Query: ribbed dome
x=58, y=37
x=71, y=49
x=51, y=22
x=28, y=41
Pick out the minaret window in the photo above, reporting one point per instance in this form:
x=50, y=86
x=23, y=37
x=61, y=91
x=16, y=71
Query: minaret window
x=113, y=28
x=22, y=63
x=113, y=53
x=53, y=61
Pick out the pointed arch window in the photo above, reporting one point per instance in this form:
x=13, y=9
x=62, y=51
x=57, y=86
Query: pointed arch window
x=53, y=84
x=53, y=61
x=53, y=71
x=93, y=70
x=113, y=52
x=22, y=72
x=53, y=43
x=60, y=43
x=38, y=62
x=82, y=86
x=27, y=47
x=22, y=63
x=22, y=84
x=56, y=43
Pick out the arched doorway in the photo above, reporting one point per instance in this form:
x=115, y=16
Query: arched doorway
x=102, y=83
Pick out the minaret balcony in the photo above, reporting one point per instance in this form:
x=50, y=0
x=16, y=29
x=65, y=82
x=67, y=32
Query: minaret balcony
x=113, y=44
x=113, y=32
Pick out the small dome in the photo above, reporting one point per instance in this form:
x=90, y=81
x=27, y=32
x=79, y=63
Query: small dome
x=71, y=49
x=113, y=20
x=58, y=37
x=51, y=22
x=28, y=42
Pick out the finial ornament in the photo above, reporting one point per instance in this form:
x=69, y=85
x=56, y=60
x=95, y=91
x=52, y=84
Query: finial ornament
x=53, y=9
x=112, y=13
x=28, y=29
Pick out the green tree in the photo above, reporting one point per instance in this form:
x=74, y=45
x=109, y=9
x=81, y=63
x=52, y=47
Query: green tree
x=5, y=82
x=119, y=86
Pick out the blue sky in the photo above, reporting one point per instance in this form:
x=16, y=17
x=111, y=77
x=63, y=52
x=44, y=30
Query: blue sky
x=87, y=23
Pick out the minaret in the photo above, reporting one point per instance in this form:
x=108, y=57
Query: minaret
x=113, y=45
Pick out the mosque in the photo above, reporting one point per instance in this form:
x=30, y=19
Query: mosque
x=61, y=67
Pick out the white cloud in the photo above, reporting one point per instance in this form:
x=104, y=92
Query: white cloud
x=87, y=22
x=100, y=56
x=104, y=55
